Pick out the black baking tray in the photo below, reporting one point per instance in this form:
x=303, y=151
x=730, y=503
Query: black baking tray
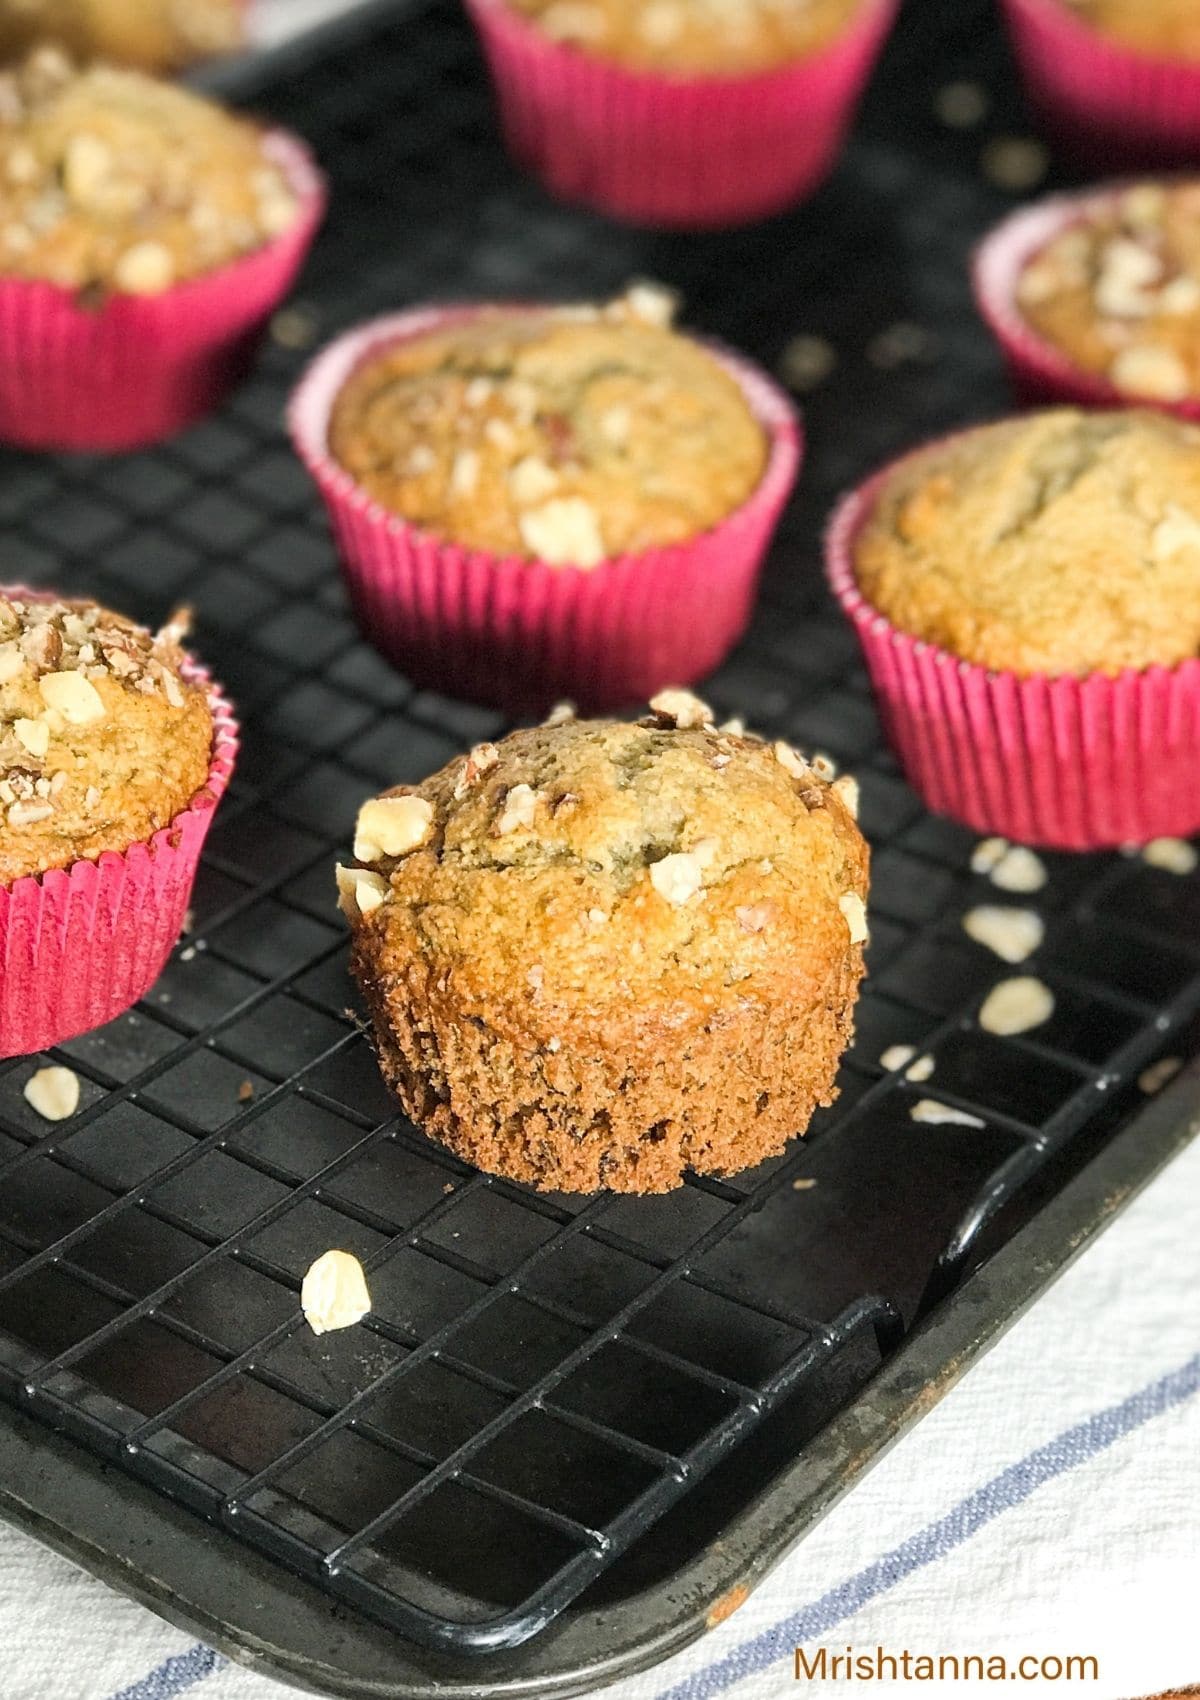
x=573, y=1432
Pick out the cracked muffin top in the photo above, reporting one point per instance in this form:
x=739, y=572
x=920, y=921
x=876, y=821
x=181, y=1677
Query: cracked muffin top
x=567, y=435
x=1164, y=28
x=111, y=181
x=102, y=742
x=588, y=867
x=693, y=37
x=154, y=35
x=1118, y=290
x=1062, y=542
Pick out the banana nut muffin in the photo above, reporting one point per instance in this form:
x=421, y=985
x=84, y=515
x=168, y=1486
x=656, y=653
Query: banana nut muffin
x=598, y=954
x=1118, y=290
x=102, y=742
x=1166, y=29
x=566, y=435
x=694, y=37
x=113, y=181
x=154, y=35
x=1063, y=542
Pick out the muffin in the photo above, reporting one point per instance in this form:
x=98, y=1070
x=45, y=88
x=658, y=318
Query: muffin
x=533, y=503
x=599, y=954
x=153, y=35
x=1028, y=596
x=1116, y=81
x=144, y=235
x=1096, y=297
x=680, y=112
x=113, y=752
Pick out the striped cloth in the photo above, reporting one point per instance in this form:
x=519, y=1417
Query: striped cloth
x=1050, y=1506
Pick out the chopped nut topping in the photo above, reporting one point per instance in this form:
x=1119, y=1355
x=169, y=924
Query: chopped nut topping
x=73, y=696
x=652, y=303
x=23, y=814
x=788, y=759
x=1175, y=855
x=145, y=269
x=847, y=789
x=520, y=808
x=392, y=826
x=1146, y=370
x=479, y=761
x=855, y=911
x=34, y=735
x=1176, y=531
x=1019, y=870
x=531, y=480
x=1012, y=934
x=359, y=892
x=943, y=1115
x=42, y=647
x=681, y=707
x=563, y=532
x=334, y=1292
x=1016, y=1006
x=560, y=714
x=53, y=1093
x=677, y=878
x=86, y=164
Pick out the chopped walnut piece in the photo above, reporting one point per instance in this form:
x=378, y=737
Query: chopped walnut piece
x=359, y=892
x=855, y=911
x=943, y=1115
x=520, y=807
x=677, y=878
x=560, y=714
x=682, y=708
x=847, y=789
x=563, y=532
x=1148, y=370
x=42, y=647
x=1016, y=1006
x=34, y=735
x=53, y=1093
x=1012, y=934
x=144, y=269
x=479, y=761
x=392, y=826
x=897, y=1056
x=791, y=761
x=1174, y=855
x=23, y=814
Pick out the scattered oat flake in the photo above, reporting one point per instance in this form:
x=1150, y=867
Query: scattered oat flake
x=921, y=1070
x=334, y=1292
x=53, y=1093
x=1175, y=855
x=943, y=1115
x=1015, y=162
x=1154, y=1078
x=1012, y=934
x=806, y=362
x=897, y=1056
x=1016, y=1006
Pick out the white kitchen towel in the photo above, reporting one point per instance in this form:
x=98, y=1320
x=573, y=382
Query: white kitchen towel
x=1049, y=1508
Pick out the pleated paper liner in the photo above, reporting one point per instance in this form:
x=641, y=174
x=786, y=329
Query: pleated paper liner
x=692, y=152
x=1107, y=103
x=1041, y=374
x=79, y=945
x=521, y=633
x=138, y=368
x=1061, y=762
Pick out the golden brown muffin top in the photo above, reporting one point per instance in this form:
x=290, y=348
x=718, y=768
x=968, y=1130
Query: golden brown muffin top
x=1063, y=542
x=153, y=35
x=102, y=742
x=566, y=435
x=590, y=865
x=113, y=181
x=1118, y=290
x=1166, y=28
x=694, y=37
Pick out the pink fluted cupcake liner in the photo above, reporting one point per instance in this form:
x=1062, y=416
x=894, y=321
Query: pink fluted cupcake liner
x=693, y=152
x=79, y=945
x=1062, y=762
x=1038, y=371
x=521, y=633
x=1104, y=100
x=141, y=367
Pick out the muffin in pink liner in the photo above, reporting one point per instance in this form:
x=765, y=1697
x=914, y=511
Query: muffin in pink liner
x=1040, y=371
x=1044, y=758
x=693, y=152
x=1104, y=100
x=141, y=367
x=522, y=632
x=79, y=944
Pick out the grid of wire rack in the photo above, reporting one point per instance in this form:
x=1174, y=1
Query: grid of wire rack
x=541, y=1378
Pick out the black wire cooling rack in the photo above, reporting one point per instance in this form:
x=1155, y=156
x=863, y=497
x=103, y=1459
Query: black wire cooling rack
x=542, y=1382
